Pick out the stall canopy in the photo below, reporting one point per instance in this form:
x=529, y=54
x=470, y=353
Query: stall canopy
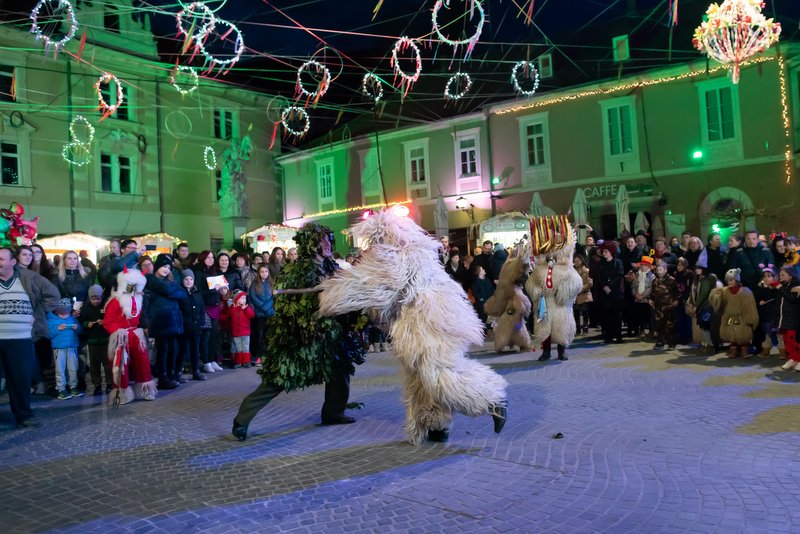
x=269, y=236
x=76, y=241
x=160, y=243
x=506, y=228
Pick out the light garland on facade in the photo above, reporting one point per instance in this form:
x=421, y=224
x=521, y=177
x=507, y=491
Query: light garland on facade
x=355, y=208
x=293, y=111
x=78, y=152
x=89, y=128
x=470, y=42
x=206, y=15
x=787, y=123
x=72, y=23
x=406, y=80
x=463, y=81
x=194, y=80
x=372, y=88
x=210, y=158
x=734, y=32
x=530, y=68
x=238, y=46
x=105, y=107
x=322, y=85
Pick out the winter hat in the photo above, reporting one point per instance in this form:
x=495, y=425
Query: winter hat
x=702, y=260
x=609, y=246
x=733, y=274
x=187, y=273
x=498, y=247
x=64, y=305
x=769, y=268
x=646, y=260
x=95, y=291
x=238, y=294
x=162, y=260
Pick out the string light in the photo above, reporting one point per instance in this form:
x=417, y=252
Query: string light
x=210, y=158
x=109, y=109
x=787, y=124
x=206, y=15
x=461, y=80
x=293, y=112
x=193, y=82
x=528, y=68
x=238, y=46
x=322, y=85
x=76, y=153
x=72, y=23
x=355, y=208
x=406, y=80
x=89, y=128
x=735, y=31
x=470, y=42
x=371, y=87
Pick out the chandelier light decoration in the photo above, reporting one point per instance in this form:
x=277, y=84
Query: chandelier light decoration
x=55, y=8
x=189, y=87
x=372, y=88
x=107, y=107
x=471, y=41
x=735, y=31
x=295, y=113
x=313, y=67
x=406, y=80
x=528, y=71
x=461, y=83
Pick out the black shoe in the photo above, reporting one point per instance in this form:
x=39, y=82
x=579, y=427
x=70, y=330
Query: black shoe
x=29, y=423
x=108, y=389
x=239, y=431
x=659, y=346
x=544, y=357
x=198, y=376
x=499, y=413
x=98, y=390
x=563, y=357
x=166, y=384
x=341, y=420
x=561, y=349
x=438, y=436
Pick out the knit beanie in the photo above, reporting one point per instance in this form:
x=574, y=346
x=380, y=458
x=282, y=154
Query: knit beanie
x=162, y=260
x=95, y=291
x=187, y=273
x=64, y=305
x=238, y=294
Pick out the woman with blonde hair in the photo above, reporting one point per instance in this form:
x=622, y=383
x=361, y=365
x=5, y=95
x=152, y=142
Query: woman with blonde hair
x=72, y=279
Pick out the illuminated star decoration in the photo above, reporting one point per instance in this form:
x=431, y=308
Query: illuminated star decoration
x=238, y=45
x=78, y=152
x=295, y=113
x=406, y=80
x=106, y=107
x=734, y=32
x=372, y=88
x=62, y=7
x=190, y=87
x=322, y=85
x=471, y=41
x=530, y=72
x=462, y=83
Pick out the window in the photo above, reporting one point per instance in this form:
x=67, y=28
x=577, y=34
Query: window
x=109, y=92
x=217, y=186
x=223, y=124
x=720, y=126
x=416, y=158
x=111, y=19
x=116, y=175
x=545, y=66
x=417, y=168
x=620, y=136
x=7, y=83
x=325, y=187
x=9, y=163
x=468, y=156
x=534, y=133
x=468, y=161
x=719, y=114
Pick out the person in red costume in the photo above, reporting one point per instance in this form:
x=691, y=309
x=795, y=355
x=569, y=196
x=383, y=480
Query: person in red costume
x=127, y=344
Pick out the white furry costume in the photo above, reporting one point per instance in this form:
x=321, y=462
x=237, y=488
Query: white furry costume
x=431, y=322
x=554, y=282
x=127, y=344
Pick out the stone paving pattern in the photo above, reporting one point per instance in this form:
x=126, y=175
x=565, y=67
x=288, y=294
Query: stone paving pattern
x=652, y=442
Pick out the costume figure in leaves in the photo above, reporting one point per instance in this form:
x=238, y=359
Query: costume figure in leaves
x=303, y=349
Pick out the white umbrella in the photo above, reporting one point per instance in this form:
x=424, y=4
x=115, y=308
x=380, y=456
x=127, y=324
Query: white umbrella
x=623, y=202
x=580, y=212
x=537, y=206
x=641, y=222
x=440, y=218
x=658, y=226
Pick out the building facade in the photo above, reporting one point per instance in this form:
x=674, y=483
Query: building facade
x=681, y=148
x=144, y=168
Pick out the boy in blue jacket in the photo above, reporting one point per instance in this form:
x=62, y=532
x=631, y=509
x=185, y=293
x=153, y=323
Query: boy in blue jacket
x=64, y=330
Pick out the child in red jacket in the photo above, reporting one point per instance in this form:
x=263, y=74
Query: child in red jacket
x=238, y=314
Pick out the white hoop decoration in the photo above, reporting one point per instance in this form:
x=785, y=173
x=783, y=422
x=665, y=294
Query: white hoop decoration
x=238, y=44
x=105, y=107
x=174, y=117
x=194, y=80
x=210, y=158
x=462, y=81
x=406, y=80
x=372, y=88
x=295, y=110
x=322, y=85
x=325, y=60
x=472, y=41
x=78, y=154
x=533, y=74
x=222, y=3
x=89, y=128
x=206, y=17
x=71, y=21
x=275, y=108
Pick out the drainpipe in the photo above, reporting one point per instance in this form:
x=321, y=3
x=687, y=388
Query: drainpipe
x=488, y=115
x=159, y=160
x=69, y=140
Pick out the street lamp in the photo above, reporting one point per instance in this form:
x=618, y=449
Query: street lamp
x=464, y=205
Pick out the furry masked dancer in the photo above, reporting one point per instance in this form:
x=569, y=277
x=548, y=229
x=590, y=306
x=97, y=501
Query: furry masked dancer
x=400, y=281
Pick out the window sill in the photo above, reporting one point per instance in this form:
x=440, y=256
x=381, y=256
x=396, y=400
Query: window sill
x=116, y=197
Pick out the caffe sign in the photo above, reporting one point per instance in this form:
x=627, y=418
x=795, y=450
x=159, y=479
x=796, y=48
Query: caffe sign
x=609, y=191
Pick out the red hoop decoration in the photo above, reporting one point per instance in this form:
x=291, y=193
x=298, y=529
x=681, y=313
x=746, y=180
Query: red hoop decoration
x=292, y=112
x=238, y=45
x=105, y=107
x=206, y=17
x=470, y=42
x=406, y=80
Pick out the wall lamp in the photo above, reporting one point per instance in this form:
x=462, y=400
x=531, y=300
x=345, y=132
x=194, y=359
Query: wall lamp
x=464, y=205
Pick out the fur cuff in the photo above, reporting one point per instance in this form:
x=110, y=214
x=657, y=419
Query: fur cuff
x=125, y=395
x=146, y=390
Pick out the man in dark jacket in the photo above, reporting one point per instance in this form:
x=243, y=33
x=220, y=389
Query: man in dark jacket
x=751, y=258
x=608, y=277
x=662, y=253
x=717, y=259
x=484, y=259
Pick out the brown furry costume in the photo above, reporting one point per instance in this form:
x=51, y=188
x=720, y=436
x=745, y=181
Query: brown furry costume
x=738, y=312
x=510, y=306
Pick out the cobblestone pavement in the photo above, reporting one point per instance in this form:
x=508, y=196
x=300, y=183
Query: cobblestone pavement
x=652, y=442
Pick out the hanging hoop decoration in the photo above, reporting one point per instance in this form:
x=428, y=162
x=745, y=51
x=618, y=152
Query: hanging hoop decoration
x=194, y=15
x=297, y=114
x=372, y=88
x=56, y=8
x=406, y=80
x=530, y=72
x=78, y=154
x=322, y=85
x=210, y=158
x=462, y=82
x=191, y=86
x=325, y=60
x=15, y=119
x=238, y=44
x=470, y=42
x=178, y=124
x=105, y=107
x=81, y=121
x=222, y=3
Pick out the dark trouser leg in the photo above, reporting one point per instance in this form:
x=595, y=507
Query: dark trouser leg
x=16, y=359
x=190, y=350
x=215, y=343
x=205, y=338
x=759, y=336
x=337, y=393
x=44, y=354
x=161, y=358
x=172, y=357
x=255, y=401
x=97, y=356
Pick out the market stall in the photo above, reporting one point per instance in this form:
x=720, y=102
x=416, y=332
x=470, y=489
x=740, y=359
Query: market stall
x=76, y=241
x=160, y=243
x=506, y=228
x=269, y=236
